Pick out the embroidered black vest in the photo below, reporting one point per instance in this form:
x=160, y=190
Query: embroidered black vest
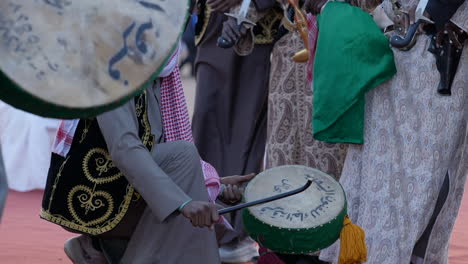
x=85, y=192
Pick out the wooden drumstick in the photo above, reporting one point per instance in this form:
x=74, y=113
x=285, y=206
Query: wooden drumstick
x=265, y=200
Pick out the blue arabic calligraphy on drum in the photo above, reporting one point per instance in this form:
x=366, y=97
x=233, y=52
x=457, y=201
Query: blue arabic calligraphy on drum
x=18, y=36
x=59, y=4
x=140, y=47
x=17, y=33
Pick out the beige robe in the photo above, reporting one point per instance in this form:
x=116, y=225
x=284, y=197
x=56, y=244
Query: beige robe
x=289, y=130
x=414, y=137
x=166, y=178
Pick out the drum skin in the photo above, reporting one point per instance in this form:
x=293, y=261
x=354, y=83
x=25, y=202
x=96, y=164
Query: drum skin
x=79, y=58
x=293, y=239
x=15, y=96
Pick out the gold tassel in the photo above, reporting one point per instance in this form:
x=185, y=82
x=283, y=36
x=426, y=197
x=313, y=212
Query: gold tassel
x=301, y=56
x=353, y=249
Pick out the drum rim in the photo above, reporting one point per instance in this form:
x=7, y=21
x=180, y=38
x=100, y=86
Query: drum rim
x=250, y=219
x=12, y=94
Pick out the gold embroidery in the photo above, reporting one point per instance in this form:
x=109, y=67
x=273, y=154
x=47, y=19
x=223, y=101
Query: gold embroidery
x=103, y=163
x=106, y=227
x=139, y=106
x=85, y=130
x=89, y=200
x=206, y=21
x=147, y=138
x=92, y=200
x=267, y=25
x=56, y=182
x=136, y=197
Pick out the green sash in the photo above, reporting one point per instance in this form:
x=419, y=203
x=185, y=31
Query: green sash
x=353, y=56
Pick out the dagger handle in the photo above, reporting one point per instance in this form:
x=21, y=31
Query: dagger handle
x=401, y=43
x=265, y=200
x=226, y=44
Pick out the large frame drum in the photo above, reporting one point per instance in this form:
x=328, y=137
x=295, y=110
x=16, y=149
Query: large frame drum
x=303, y=223
x=79, y=58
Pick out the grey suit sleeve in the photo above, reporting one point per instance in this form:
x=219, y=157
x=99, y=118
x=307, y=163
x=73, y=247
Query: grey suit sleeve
x=120, y=130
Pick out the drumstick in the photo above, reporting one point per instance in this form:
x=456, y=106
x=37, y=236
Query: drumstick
x=265, y=200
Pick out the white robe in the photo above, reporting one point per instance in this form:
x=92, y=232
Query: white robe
x=26, y=141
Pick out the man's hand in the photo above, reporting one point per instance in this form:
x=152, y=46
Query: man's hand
x=222, y=6
x=231, y=31
x=233, y=190
x=237, y=180
x=201, y=214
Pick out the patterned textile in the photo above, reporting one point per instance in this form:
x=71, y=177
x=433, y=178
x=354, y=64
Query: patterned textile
x=313, y=36
x=460, y=18
x=85, y=191
x=289, y=136
x=175, y=119
x=177, y=126
x=64, y=138
x=413, y=138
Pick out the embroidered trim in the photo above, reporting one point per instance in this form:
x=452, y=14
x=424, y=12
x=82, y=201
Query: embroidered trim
x=85, y=130
x=269, y=27
x=106, y=227
x=87, y=198
x=55, y=183
x=103, y=164
x=206, y=20
x=92, y=199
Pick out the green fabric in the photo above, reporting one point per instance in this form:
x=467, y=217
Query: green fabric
x=353, y=56
x=294, y=240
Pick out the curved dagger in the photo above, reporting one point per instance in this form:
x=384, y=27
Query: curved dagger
x=241, y=18
x=403, y=42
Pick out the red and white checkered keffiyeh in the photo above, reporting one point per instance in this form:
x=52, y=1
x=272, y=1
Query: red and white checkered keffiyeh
x=177, y=126
x=175, y=119
x=64, y=138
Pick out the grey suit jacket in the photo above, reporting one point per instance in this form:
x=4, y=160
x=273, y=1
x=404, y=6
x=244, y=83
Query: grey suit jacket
x=120, y=130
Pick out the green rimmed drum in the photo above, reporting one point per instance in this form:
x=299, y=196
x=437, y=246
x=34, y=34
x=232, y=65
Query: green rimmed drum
x=79, y=58
x=303, y=223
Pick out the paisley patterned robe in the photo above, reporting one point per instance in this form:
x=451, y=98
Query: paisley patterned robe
x=289, y=132
x=414, y=138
